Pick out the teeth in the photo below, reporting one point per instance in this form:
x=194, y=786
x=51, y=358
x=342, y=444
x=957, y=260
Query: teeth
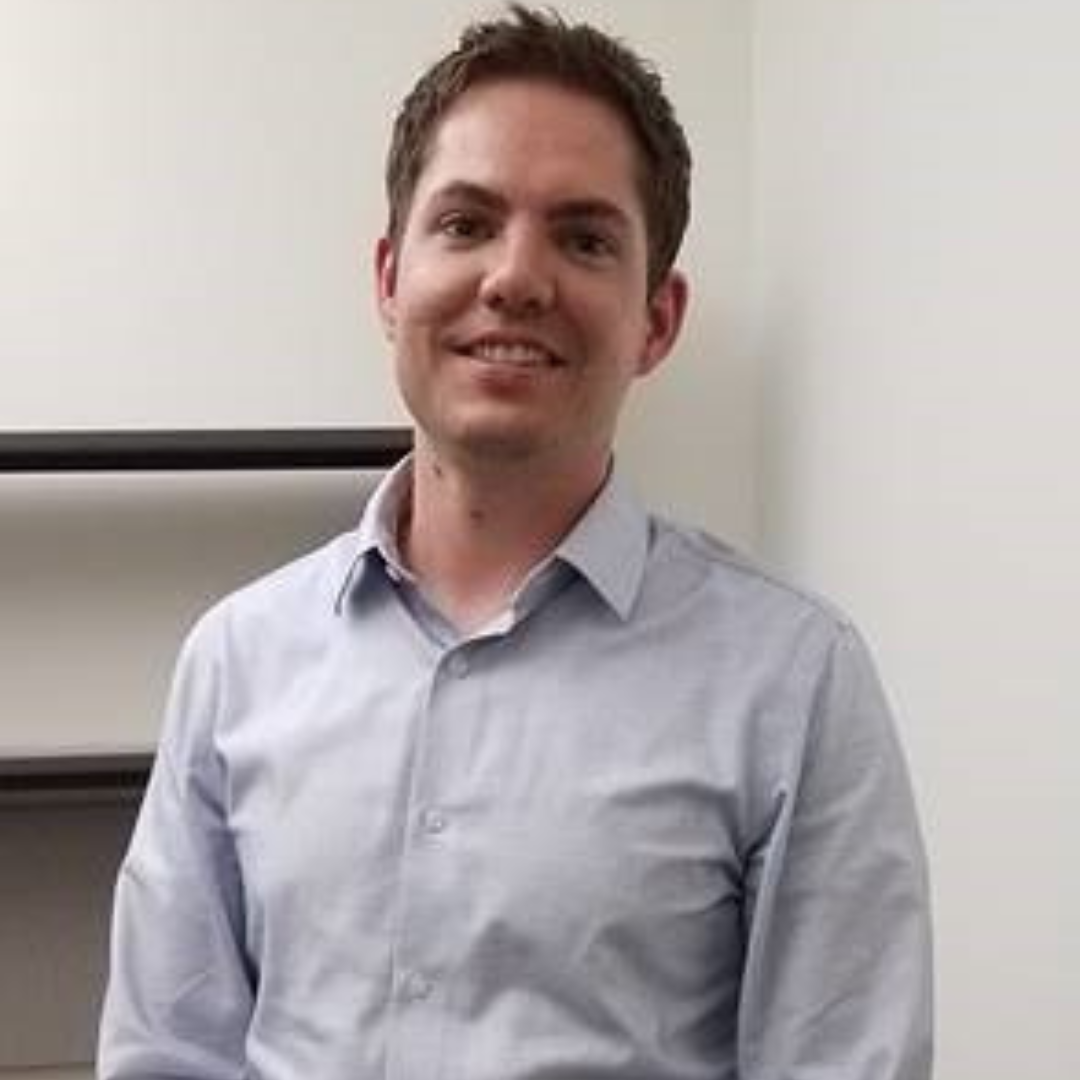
x=510, y=353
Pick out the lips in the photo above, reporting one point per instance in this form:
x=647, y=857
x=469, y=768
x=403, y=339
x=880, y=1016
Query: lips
x=507, y=351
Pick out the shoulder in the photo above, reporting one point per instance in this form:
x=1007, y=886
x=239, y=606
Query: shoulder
x=795, y=655
x=248, y=645
x=293, y=600
x=689, y=565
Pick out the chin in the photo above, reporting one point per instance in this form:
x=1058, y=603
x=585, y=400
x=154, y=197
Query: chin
x=491, y=439
x=500, y=445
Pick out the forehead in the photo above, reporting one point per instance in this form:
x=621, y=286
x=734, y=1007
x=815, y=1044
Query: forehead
x=535, y=139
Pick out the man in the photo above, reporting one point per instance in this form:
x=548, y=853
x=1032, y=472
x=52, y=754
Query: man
x=518, y=781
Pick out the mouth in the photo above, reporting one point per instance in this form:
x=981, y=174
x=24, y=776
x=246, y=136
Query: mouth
x=509, y=352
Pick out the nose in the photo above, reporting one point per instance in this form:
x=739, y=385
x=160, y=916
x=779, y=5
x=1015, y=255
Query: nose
x=519, y=279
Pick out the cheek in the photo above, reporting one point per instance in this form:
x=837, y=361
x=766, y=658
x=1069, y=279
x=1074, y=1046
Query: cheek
x=619, y=335
x=432, y=290
x=613, y=308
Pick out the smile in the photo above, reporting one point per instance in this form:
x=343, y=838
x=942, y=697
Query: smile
x=517, y=354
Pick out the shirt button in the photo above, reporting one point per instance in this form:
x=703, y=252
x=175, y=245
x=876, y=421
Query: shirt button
x=434, y=822
x=457, y=664
x=416, y=987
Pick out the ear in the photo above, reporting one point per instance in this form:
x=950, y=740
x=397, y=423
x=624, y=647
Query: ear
x=664, y=319
x=386, y=284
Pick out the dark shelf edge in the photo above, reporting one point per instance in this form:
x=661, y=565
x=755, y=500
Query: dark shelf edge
x=82, y=777
x=202, y=449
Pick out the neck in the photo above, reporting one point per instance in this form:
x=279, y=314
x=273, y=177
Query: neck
x=473, y=534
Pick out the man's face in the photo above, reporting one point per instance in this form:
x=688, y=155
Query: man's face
x=515, y=297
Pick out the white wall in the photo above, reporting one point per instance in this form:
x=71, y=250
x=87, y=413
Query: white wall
x=917, y=170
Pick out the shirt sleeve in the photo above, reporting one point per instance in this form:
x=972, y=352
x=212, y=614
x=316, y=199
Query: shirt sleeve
x=180, y=990
x=837, y=979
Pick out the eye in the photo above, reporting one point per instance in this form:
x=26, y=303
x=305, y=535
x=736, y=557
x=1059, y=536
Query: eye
x=463, y=226
x=589, y=243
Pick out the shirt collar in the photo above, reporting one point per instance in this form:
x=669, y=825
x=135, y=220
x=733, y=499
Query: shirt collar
x=376, y=535
x=607, y=546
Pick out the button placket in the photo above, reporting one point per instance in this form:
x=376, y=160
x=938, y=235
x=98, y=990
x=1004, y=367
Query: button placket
x=427, y=949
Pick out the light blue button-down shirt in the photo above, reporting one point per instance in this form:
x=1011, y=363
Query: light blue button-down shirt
x=652, y=823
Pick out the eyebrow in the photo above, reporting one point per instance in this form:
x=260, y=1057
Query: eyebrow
x=570, y=209
x=474, y=194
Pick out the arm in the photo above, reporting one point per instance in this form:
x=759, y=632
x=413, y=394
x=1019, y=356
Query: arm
x=837, y=982
x=180, y=989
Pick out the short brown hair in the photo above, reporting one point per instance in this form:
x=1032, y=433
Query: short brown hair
x=530, y=43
